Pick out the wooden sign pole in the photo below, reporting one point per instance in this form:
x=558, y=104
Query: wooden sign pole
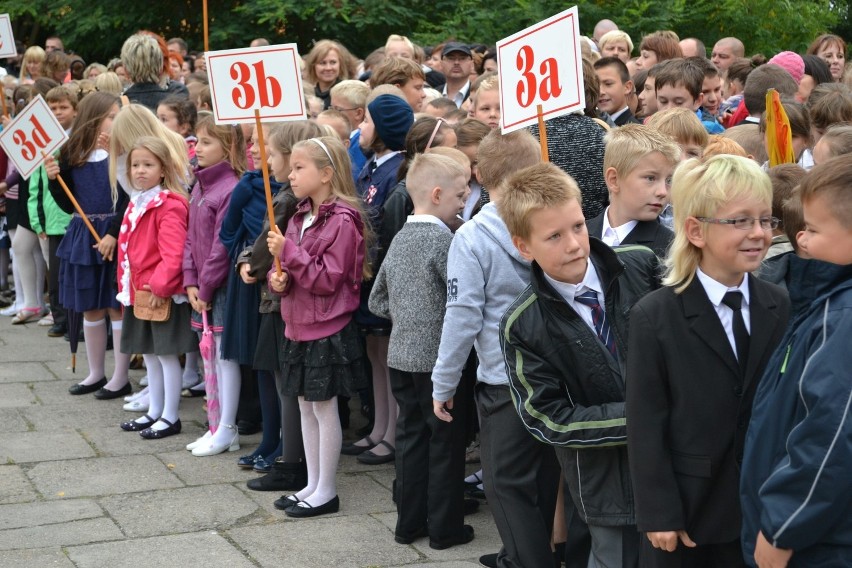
x=266, y=186
x=77, y=207
x=542, y=136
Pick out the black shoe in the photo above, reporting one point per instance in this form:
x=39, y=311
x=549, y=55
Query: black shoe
x=283, y=477
x=488, y=560
x=465, y=537
x=86, y=389
x=136, y=426
x=470, y=506
x=247, y=428
x=286, y=501
x=369, y=458
x=57, y=330
x=246, y=462
x=299, y=512
x=354, y=450
x=403, y=539
x=151, y=434
x=106, y=394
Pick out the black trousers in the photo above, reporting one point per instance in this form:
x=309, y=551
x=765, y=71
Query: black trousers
x=429, y=459
x=53, y=280
x=521, y=477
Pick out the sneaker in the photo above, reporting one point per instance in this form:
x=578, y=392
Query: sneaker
x=46, y=321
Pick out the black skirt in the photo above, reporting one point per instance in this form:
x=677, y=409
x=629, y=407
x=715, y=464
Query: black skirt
x=171, y=337
x=324, y=368
x=270, y=343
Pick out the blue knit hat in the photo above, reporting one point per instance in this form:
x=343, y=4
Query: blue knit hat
x=393, y=118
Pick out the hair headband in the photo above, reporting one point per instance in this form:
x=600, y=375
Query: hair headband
x=438, y=123
x=322, y=145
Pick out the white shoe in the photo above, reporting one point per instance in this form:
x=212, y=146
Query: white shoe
x=11, y=311
x=143, y=382
x=230, y=443
x=46, y=321
x=200, y=441
x=137, y=395
x=141, y=404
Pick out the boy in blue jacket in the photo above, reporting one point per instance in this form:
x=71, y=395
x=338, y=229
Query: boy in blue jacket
x=796, y=486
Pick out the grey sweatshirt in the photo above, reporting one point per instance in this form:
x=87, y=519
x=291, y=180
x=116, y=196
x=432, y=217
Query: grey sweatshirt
x=485, y=273
x=411, y=291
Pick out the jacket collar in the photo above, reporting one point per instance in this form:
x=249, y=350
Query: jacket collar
x=208, y=176
x=604, y=259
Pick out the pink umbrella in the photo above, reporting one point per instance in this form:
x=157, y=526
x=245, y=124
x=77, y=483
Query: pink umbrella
x=207, y=346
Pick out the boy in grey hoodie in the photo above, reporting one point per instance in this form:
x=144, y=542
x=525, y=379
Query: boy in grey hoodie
x=485, y=273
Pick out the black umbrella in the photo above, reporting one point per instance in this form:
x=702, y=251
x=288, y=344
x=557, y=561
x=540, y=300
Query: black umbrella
x=75, y=326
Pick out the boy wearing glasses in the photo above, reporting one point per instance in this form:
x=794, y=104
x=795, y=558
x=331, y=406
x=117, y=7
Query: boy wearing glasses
x=696, y=352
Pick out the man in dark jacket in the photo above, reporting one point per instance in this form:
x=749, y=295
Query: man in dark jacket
x=565, y=342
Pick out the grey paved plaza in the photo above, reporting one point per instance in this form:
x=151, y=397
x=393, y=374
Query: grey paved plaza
x=77, y=491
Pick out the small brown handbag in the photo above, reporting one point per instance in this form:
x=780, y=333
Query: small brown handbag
x=143, y=311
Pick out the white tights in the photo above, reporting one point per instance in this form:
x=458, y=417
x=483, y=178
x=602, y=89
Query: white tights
x=228, y=380
x=29, y=267
x=322, y=437
x=164, y=382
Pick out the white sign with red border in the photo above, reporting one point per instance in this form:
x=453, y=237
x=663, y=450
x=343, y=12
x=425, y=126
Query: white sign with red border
x=32, y=133
x=267, y=78
x=7, y=40
x=541, y=65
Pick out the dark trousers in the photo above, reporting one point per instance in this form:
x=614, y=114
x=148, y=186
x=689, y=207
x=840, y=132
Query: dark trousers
x=725, y=555
x=53, y=280
x=429, y=459
x=579, y=543
x=521, y=478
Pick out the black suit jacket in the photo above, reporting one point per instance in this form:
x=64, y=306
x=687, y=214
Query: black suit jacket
x=651, y=234
x=626, y=118
x=688, y=406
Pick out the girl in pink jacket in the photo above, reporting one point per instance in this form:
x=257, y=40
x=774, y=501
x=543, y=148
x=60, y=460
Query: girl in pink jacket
x=322, y=258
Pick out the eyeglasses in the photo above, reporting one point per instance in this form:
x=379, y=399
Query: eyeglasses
x=745, y=223
x=338, y=109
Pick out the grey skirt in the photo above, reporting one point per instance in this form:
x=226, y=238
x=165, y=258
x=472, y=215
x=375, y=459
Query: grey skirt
x=171, y=337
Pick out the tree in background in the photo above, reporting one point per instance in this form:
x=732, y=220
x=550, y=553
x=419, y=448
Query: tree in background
x=96, y=30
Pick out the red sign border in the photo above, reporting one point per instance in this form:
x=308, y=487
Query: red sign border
x=534, y=115
x=250, y=117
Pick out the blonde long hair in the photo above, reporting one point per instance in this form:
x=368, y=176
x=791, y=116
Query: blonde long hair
x=699, y=190
x=173, y=176
x=132, y=123
x=342, y=182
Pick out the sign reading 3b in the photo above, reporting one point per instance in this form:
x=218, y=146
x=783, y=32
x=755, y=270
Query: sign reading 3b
x=267, y=79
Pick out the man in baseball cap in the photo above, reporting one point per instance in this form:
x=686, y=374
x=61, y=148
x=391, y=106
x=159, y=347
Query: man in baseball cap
x=457, y=66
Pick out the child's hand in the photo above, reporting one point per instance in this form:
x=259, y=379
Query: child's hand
x=3, y=188
x=156, y=301
x=245, y=270
x=42, y=235
x=767, y=556
x=667, y=540
x=442, y=409
x=103, y=140
x=275, y=242
x=106, y=247
x=51, y=167
x=6, y=120
x=192, y=294
x=278, y=282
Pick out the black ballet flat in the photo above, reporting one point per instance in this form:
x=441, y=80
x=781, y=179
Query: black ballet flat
x=136, y=426
x=301, y=512
x=87, y=389
x=106, y=394
x=151, y=434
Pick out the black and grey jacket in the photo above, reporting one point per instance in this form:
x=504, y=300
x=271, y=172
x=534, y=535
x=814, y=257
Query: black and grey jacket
x=567, y=387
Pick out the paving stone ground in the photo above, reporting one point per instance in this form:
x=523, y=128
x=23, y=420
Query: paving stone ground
x=77, y=491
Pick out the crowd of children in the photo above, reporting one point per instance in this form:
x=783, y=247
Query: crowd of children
x=647, y=335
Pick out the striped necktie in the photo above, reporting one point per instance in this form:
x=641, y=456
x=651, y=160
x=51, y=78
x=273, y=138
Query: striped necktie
x=590, y=298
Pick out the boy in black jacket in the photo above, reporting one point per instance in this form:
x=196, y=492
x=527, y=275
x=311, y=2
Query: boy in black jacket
x=565, y=339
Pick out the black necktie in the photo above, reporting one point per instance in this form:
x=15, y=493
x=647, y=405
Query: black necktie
x=734, y=300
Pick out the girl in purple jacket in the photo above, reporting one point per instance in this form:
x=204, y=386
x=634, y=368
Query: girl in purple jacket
x=322, y=258
x=221, y=153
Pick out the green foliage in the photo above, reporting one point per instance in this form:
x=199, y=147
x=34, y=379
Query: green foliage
x=97, y=29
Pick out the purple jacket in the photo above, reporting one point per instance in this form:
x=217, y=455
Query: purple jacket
x=205, y=258
x=324, y=267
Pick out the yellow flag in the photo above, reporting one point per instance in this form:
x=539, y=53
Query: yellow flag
x=779, y=138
